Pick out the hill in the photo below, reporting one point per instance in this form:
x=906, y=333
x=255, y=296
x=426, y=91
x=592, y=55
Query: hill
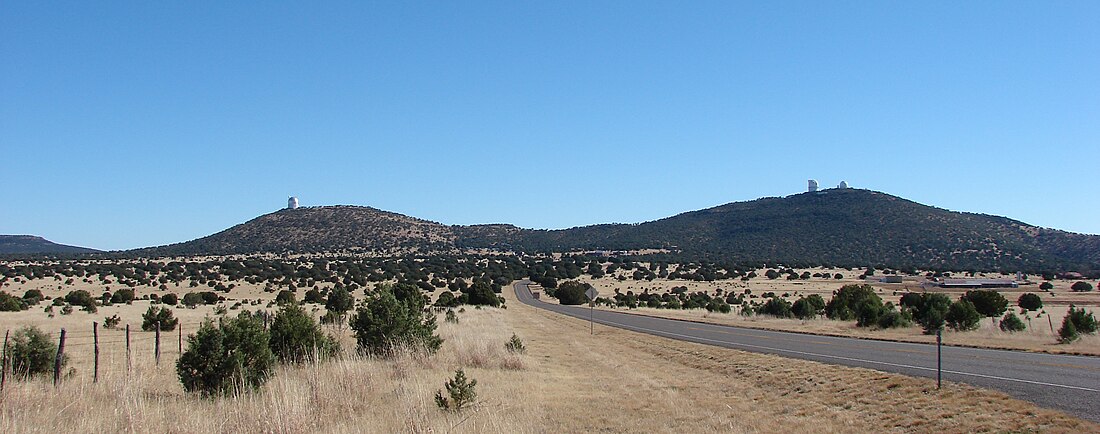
x=30, y=245
x=840, y=227
x=848, y=227
x=319, y=229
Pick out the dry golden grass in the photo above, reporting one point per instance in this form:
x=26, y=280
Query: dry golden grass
x=569, y=381
x=635, y=382
x=350, y=395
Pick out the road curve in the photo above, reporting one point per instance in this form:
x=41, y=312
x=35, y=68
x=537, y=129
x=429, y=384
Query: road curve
x=1067, y=383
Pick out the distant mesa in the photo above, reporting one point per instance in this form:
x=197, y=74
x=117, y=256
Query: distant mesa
x=34, y=245
x=292, y=203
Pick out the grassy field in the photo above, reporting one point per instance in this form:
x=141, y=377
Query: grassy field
x=569, y=381
x=354, y=394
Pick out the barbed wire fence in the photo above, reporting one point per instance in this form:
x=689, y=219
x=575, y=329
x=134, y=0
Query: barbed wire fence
x=93, y=339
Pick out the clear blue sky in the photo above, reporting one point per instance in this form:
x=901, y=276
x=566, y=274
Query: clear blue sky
x=130, y=124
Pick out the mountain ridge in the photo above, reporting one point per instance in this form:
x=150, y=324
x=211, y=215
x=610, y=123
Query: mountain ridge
x=829, y=227
x=33, y=244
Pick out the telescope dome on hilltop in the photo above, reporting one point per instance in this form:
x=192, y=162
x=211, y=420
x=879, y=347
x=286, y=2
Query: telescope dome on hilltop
x=292, y=203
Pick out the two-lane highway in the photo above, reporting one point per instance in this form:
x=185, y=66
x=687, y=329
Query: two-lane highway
x=1067, y=383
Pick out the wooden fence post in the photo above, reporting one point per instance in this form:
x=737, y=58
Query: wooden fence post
x=181, y=338
x=4, y=361
x=95, y=342
x=129, y=364
x=156, y=347
x=57, y=360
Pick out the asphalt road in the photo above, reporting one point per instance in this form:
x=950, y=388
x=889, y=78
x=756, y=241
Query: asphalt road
x=1067, y=383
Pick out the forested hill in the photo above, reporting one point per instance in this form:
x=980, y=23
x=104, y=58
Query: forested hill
x=30, y=244
x=841, y=227
x=835, y=227
x=319, y=229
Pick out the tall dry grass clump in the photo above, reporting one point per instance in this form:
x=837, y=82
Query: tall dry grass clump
x=352, y=393
x=484, y=350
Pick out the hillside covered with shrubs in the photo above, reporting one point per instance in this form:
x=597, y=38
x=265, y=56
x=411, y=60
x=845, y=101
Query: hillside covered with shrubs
x=834, y=227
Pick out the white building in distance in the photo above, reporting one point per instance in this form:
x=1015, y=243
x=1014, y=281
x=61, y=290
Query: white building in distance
x=812, y=185
x=843, y=185
x=292, y=203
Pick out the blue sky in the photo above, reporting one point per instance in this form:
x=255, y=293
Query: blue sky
x=130, y=124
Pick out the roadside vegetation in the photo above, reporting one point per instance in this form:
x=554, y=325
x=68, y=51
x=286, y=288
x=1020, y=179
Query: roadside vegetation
x=495, y=370
x=334, y=286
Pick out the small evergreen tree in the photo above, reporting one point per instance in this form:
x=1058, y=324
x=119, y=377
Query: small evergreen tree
x=446, y=299
x=460, y=393
x=868, y=312
x=933, y=321
x=232, y=356
x=123, y=296
x=1012, y=323
x=481, y=294
x=808, y=307
x=33, y=296
x=80, y=297
x=383, y=322
x=210, y=297
x=192, y=299
x=1068, y=332
x=407, y=292
x=1030, y=301
x=515, y=345
x=285, y=297
x=162, y=316
x=32, y=352
x=313, y=296
x=912, y=300
x=1081, y=287
x=987, y=302
x=297, y=338
x=929, y=311
x=11, y=303
x=849, y=301
x=1083, y=322
x=777, y=307
x=962, y=316
x=339, y=301
x=893, y=318
x=571, y=293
